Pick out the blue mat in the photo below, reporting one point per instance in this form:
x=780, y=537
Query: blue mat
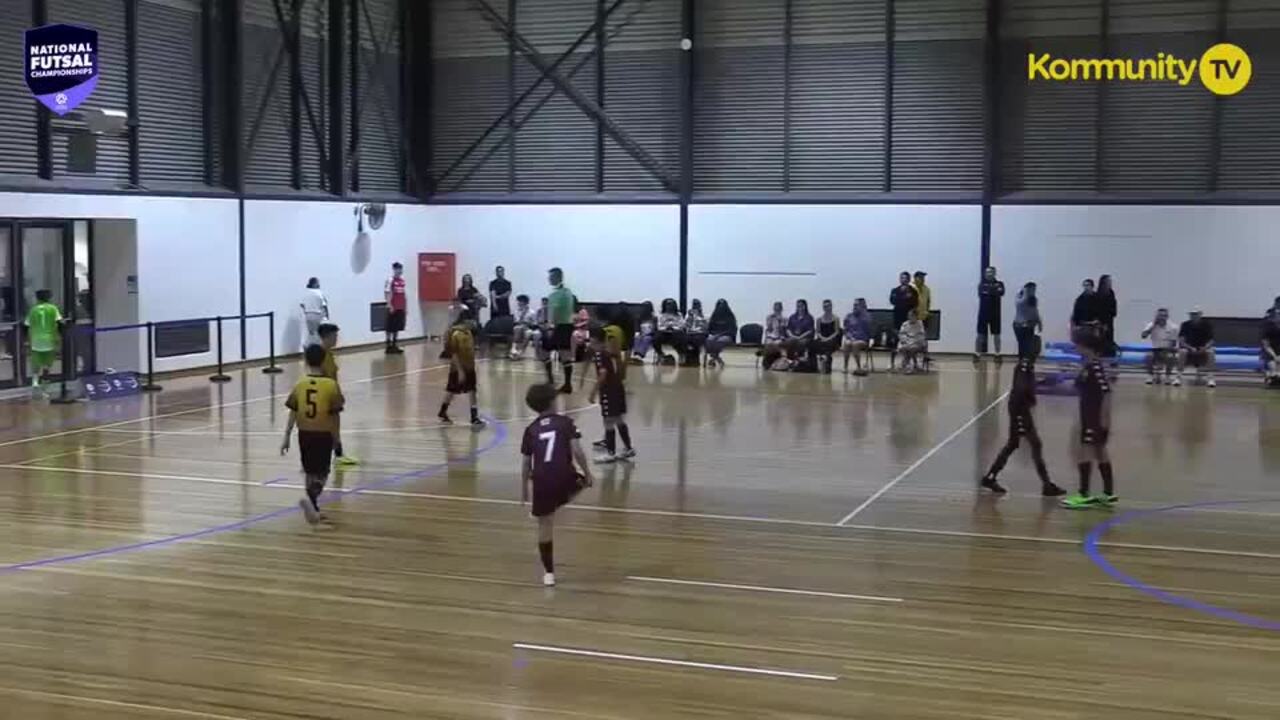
x=1143, y=349
x=1139, y=359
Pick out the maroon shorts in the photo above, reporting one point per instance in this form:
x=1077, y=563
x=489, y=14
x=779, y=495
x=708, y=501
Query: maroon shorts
x=461, y=383
x=551, y=496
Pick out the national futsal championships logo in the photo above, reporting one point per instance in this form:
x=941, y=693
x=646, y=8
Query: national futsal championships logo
x=1224, y=69
x=61, y=67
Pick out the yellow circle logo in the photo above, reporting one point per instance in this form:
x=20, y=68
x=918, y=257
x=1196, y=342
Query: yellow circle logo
x=1225, y=69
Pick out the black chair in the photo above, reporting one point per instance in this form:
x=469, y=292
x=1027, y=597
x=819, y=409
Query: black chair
x=751, y=334
x=501, y=329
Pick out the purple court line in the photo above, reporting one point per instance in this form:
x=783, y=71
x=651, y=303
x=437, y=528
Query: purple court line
x=499, y=436
x=1091, y=549
x=277, y=480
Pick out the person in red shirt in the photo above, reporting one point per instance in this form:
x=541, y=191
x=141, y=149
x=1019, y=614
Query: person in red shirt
x=397, y=305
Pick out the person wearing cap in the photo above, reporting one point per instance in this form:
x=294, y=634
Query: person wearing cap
x=1195, y=346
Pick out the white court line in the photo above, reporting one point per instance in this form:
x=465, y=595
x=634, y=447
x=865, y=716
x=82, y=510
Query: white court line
x=202, y=408
x=658, y=513
x=679, y=663
x=761, y=588
x=912, y=467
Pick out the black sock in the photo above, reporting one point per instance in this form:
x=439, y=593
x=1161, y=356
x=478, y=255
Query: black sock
x=610, y=440
x=546, y=365
x=1086, y=469
x=1108, y=481
x=544, y=552
x=625, y=433
x=337, y=451
x=313, y=494
x=475, y=413
x=444, y=408
x=568, y=374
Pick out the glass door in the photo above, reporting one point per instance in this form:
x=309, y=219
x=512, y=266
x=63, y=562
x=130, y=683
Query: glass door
x=10, y=340
x=44, y=266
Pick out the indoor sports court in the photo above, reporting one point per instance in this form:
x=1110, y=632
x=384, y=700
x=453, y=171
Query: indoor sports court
x=639, y=359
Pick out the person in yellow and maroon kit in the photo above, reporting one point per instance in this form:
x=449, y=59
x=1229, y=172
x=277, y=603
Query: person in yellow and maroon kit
x=461, y=349
x=397, y=306
x=328, y=334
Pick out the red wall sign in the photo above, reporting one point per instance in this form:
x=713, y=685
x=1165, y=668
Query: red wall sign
x=437, y=277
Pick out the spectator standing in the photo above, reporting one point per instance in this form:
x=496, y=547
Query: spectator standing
x=924, y=297
x=397, y=301
x=1195, y=346
x=990, y=300
x=722, y=331
x=857, y=335
x=315, y=311
x=470, y=298
x=1086, y=314
x=1027, y=323
x=499, y=294
x=1107, y=312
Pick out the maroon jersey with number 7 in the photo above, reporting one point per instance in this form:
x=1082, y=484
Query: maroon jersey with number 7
x=549, y=442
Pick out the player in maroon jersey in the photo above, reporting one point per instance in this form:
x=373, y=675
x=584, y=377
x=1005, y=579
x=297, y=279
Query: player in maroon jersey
x=1094, y=426
x=554, y=468
x=1022, y=424
x=613, y=398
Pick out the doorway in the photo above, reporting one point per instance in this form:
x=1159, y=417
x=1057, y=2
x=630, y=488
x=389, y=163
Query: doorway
x=35, y=255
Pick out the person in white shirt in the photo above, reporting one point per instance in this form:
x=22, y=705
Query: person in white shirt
x=1164, y=349
x=913, y=343
x=527, y=329
x=315, y=310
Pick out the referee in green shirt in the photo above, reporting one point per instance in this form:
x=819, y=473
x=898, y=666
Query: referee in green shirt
x=560, y=308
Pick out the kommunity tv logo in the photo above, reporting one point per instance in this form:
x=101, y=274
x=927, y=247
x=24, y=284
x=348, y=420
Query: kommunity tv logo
x=1224, y=69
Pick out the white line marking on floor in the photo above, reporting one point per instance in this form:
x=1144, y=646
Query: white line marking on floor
x=761, y=588
x=912, y=467
x=678, y=663
x=202, y=408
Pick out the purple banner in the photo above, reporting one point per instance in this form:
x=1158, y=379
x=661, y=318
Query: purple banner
x=61, y=65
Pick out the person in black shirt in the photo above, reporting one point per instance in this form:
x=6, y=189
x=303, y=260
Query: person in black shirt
x=1094, y=428
x=1086, y=314
x=1022, y=400
x=1107, y=315
x=1270, y=341
x=499, y=294
x=990, y=299
x=1195, y=346
x=903, y=299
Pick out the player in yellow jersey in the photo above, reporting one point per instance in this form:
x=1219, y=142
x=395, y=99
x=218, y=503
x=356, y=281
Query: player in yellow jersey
x=328, y=333
x=461, y=349
x=314, y=406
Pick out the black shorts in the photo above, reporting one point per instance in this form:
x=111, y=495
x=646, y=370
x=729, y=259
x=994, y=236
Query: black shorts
x=560, y=338
x=1197, y=358
x=551, y=496
x=1022, y=425
x=316, y=449
x=1094, y=435
x=988, y=323
x=613, y=401
x=461, y=382
x=395, y=321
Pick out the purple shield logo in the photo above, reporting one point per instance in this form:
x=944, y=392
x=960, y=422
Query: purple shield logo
x=61, y=65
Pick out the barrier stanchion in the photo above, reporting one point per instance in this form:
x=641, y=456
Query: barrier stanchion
x=68, y=347
x=271, y=368
x=221, y=377
x=150, y=385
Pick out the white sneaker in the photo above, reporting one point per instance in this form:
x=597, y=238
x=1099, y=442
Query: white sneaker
x=549, y=579
x=309, y=511
x=1150, y=381
x=627, y=454
x=607, y=459
x=1176, y=382
x=1211, y=383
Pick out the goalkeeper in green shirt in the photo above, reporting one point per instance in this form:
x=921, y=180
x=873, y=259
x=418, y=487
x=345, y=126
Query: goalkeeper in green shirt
x=44, y=322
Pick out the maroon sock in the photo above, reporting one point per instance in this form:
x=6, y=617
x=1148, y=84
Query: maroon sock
x=544, y=551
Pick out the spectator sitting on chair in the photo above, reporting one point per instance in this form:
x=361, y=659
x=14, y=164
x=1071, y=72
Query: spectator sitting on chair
x=775, y=334
x=670, y=329
x=695, y=333
x=1195, y=346
x=826, y=339
x=644, y=336
x=857, y=336
x=913, y=343
x=542, y=321
x=1164, y=342
x=799, y=333
x=1270, y=341
x=722, y=330
x=526, y=328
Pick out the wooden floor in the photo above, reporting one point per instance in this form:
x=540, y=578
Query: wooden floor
x=785, y=547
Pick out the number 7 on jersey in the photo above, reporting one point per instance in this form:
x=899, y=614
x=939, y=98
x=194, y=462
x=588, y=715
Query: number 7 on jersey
x=550, y=439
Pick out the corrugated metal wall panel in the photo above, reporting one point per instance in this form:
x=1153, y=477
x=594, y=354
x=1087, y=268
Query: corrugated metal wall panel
x=738, y=106
x=315, y=78
x=1050, y=18
x=1250, y=130
x=555, y=149
x=107, y=17
x=642, y=90
x=837, y=71
x=937, y=116
x=380, y=131
x=170, y=102
x=268, y=164
x=468, y=92
x=17, y=107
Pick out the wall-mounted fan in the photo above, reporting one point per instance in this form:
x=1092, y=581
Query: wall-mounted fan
x=375, y=213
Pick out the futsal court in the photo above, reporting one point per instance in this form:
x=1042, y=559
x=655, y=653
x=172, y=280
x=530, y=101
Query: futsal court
x=785, y=546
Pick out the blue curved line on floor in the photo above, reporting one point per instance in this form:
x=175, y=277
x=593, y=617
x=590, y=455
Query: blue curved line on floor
x=1093, y=539
x=498, y=437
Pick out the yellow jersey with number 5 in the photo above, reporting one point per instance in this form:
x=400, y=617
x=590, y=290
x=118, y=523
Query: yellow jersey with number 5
x=316, y=402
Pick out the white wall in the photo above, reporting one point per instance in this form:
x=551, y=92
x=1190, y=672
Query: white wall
x=114, y=303
x=188, y=263
x=1222, y=258
x=787, y=252
x=608, y=252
